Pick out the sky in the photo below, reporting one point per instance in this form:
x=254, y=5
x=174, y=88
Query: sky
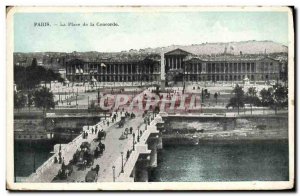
x=142, y=30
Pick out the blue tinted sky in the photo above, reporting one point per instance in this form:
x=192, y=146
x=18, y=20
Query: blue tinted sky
x=142, y=30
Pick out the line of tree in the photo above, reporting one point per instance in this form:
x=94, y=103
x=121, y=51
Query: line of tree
x=29, y=77
x=275, y=97
x=41, y=98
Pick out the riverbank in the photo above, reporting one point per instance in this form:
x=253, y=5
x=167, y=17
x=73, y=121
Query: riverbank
x=234, y=135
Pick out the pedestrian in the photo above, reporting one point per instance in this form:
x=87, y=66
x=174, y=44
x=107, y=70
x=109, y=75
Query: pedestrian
x=99, y=136
x=97, y=168
x=127, y=155
x=55, y=160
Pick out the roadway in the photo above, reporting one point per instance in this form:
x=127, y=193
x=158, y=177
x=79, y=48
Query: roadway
x=112, y=154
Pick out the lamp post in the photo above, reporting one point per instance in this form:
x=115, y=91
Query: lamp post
x=34, y=161
x=133, y=136
x=122, y=169
x=114, y=178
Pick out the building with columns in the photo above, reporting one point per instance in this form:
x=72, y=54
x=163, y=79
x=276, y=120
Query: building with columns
x=179, y=66
x=114, y=70
x=232, y=68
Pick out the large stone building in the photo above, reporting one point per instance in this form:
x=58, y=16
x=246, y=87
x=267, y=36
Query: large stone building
x=179, y=66
x=114, y=70
x=232, y=68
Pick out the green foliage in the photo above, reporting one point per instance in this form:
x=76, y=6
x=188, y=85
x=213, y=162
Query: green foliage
x=19, y=100
x=280, y=96
x=30, y=99
x=275, y=97
x=251, y=97
x=34, y=62
x=43, y=98
x=266, y=97
x=238, y=100
x=29, y=77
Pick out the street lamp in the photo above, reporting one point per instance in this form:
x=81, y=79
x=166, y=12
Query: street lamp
x=122, y=169
x=133, y=136
x=114, y=178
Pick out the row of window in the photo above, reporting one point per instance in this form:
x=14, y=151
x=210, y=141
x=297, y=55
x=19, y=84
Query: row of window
x=195, y=77
x=112, y=68
x=230, y=67
x=30, y=137
x=147, y=77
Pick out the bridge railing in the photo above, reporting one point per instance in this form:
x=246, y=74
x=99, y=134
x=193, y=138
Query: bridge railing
x=140, y=148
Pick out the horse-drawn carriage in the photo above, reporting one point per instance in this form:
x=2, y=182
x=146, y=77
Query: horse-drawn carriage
x=64, y=172
x=83, y=158
x=101, y=135
x=91, y=176
x=121, y=122
x=132, y=115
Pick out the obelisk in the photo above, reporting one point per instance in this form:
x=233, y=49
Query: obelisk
x=162, y=71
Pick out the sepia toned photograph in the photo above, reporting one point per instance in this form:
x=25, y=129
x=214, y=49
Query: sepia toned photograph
x=150, y=98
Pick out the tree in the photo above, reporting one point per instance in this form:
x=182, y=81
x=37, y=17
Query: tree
x=251, y=97
x=266, y=97
x=29, y=77
x=19, y=100
x=275, y=97
x=216, y=97
x=238, y=99
x=20, y=78
x=280, y=97
x=29, y=100
x=34, y=62
x=43, y=98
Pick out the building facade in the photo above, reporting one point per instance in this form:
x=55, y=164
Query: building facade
x=232, y=69
x=179, y=66
x=147, y=70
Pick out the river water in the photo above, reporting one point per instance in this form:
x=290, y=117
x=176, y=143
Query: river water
x=223, y=161
x=29, y=156
x=214, y=161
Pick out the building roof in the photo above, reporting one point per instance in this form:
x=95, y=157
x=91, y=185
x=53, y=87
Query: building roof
x=177, y=51
x=231, y=58
x=123, y=58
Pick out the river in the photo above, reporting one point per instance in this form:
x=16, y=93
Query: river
x=29, y=156
x=209, y=161
x=223, y=161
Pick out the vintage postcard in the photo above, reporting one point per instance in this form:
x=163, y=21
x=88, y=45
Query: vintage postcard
x=150, y=98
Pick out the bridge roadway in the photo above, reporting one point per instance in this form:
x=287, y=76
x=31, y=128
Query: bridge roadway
x=111, y=156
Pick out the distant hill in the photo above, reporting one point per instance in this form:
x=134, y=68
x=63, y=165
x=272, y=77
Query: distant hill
x=246, y=47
